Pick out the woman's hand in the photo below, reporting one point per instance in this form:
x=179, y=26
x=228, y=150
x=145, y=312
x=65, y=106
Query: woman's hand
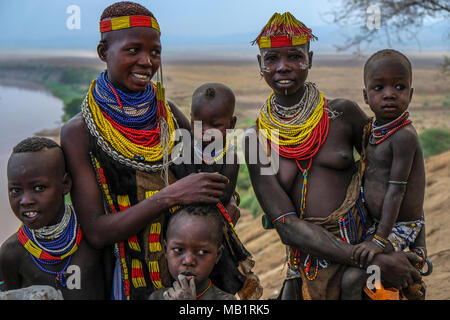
x=397, y=268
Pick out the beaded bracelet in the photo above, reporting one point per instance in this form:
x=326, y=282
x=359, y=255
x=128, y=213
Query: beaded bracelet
x=283, y=216
x=383, y=240
x=237, y=198
x=379, y=243
x=398, y=182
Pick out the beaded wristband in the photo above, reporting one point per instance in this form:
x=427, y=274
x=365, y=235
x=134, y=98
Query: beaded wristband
x=283, y=216
x=398, y=182
x=383, y=240
x=379, y=243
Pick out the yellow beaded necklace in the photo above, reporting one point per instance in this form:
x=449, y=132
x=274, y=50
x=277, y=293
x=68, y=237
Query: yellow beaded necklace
x=120, y=143
x=290, y=133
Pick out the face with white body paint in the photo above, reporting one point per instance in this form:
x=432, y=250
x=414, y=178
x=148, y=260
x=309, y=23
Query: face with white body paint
x=285, y=69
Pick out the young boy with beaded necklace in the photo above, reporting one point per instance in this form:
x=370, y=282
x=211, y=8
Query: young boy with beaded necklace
x=394, y=181
x=118, y=151
x=49, y=248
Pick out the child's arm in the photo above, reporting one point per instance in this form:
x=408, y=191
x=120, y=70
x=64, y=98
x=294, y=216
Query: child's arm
x=404, y=146
x=9, y=277
x=231, y=171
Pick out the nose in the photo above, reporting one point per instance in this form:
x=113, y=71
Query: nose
x=27, y=199
x=283, y=65
x=189, y=259
x=388, y=92
x=145, y=59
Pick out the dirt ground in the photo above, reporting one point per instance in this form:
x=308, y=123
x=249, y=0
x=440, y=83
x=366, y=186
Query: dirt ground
x=269, y=253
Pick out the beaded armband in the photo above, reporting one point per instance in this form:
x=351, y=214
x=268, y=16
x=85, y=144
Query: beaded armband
x=380, y=241
x=283, y=216
x=404, y=183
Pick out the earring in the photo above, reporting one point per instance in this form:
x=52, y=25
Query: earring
x=261, y=74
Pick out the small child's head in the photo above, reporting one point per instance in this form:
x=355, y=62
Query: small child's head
x=37, y=182
x=213, y=105
x=130, y=45
x=193, y=242
x=387, y=82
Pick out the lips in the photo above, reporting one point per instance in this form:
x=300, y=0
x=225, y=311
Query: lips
x=30, y=214
x=188, y=275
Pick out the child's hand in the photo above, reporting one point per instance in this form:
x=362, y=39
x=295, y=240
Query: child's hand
x=181, y=290
x=364, y=252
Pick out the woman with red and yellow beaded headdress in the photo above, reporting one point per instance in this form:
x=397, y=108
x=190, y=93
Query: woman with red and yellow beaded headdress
x=311, y=194
x=119, y=150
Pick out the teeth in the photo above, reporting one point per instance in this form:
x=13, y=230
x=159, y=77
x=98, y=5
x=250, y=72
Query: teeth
x=140, y=76
x=285, y=81
x=30, y=214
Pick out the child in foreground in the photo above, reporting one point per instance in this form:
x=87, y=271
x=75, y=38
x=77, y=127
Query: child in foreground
x=49, y=248
x=193, y=246
x=394, y=182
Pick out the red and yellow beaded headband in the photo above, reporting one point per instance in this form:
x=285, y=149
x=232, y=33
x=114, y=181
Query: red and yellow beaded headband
x=283, y=30
x=125, y=22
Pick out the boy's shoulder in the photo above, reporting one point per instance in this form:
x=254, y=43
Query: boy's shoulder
x=11, y=249
x=218, y=294
x=406, y=137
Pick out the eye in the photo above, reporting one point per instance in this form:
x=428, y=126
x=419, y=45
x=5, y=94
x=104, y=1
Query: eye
x=132, y=50
x=177, y=250
x=14, y=190
x=155, y=53
x=39, y=188
x=400, y=87
x=270, y=58
x=202, y=252
x=377, y=88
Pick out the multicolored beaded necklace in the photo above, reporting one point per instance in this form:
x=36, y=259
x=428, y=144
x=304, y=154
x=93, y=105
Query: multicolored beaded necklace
x=299, y=137
x=204, y=291
x=149, y=145
x=52, y=252
x=142, y=106
x=381, y=133
x=211, y=158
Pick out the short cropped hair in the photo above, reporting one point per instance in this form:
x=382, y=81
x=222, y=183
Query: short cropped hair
x=387, y=53
x=35, y=144
x=208, y=211
x=125, y=8
x=209, y=91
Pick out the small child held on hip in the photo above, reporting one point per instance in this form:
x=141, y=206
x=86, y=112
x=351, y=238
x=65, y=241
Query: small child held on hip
x=49, y=248
x=193, y=246
x=394, y=180
x=212, y=114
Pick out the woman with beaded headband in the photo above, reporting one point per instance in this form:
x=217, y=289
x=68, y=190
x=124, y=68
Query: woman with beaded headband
x=311, y=192
x=118, y=151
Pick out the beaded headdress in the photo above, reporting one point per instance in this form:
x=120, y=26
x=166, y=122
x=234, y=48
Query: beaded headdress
x=283, y=30
x=125, y=22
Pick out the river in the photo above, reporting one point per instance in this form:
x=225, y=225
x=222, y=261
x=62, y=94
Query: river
x=25, y=111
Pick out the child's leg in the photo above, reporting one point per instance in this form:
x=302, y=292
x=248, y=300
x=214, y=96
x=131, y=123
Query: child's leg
x=352, y=284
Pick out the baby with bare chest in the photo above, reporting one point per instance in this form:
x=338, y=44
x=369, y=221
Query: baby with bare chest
x=394, y=184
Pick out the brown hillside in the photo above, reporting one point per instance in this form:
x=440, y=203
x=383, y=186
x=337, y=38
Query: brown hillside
x=269, y=253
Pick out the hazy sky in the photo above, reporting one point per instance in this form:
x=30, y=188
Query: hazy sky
x=183, y=17
x=42, y=23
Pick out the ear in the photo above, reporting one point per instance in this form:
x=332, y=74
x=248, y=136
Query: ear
x=310, y=55
x=411, y=94
x=233, y=122
x=102, y=49
x=67, y=183
x=365, y=96
x=258, y=57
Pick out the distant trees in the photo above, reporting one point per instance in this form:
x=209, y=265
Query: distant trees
x=395, y=20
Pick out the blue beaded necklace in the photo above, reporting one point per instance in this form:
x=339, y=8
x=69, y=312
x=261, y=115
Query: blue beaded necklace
x=110, y=100
x=58, y=247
